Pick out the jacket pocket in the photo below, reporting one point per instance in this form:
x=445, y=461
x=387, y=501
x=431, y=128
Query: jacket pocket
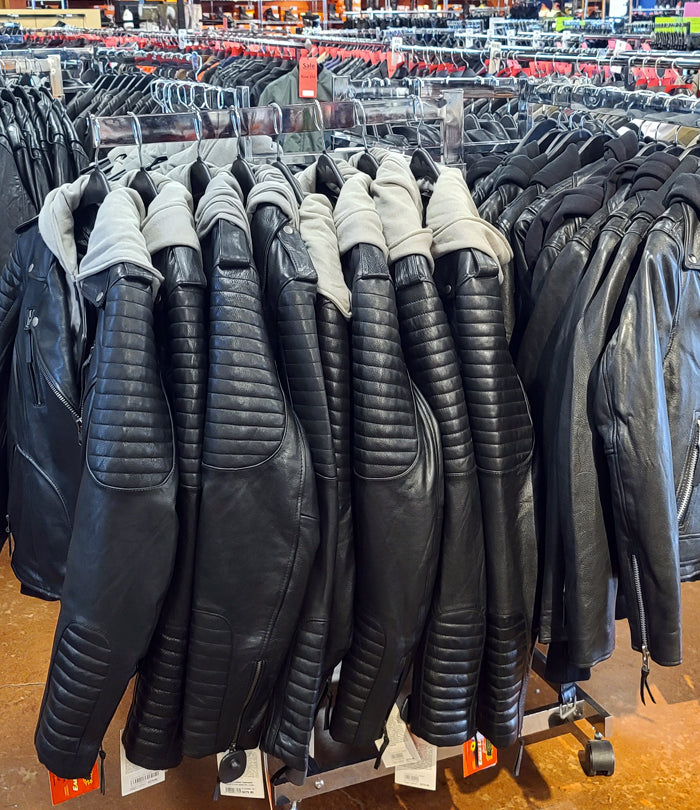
x=689, y=477
x=41, y=526
x=32, y=360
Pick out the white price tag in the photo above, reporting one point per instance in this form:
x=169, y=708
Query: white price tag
x=182, y=38
x=251, y=782
x=396, y=43
x=135, y=778
x=401, y=748
x=421, y=774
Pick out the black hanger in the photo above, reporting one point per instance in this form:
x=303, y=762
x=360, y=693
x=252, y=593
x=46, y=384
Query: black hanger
x=199, y=171
x=329, y=180
x=97, y=187
x=240, y=168
x=142, y=182
x=291, y=179
x=593, y=149
x=423, y=166
x=367, y=163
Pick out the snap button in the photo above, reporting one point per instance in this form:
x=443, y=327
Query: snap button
x=35, y=321
x=691, y=256
x=288, y=229
x=99, y=296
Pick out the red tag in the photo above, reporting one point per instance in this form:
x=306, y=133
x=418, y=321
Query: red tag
x=64, y=789
x=478, y=754
x=308, y=77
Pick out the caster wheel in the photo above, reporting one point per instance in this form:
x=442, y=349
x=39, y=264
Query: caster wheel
x=599, y=757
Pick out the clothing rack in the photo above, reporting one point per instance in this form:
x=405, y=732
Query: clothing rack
x=50, y=65
x=274, y=120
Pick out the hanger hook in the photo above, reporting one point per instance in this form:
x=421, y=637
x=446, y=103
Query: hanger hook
x=236, y=128
x=419, y=116
x=198, y=132
x=138, y=135
x=277, y=122
x=96, y=137
x=361, y=122
x=318, y=119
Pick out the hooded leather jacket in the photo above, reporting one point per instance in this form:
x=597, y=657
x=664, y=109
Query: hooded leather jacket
x=153, y=732
x=647, y=413
x=123, y=544
x=257, y=482
x=397, y=485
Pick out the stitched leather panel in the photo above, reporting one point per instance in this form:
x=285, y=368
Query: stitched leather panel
x=208, y=666
x=433, y=363
x=334, y=349
x=130, y=435
x=498, y=411
x=385, y=440
x=158, y=692
x=296, y=328
x=452, y=652
x=78, y=671
x=245, y=409
x=359, y=672
x=289, y=741
x=504, y=668
x=187, y=378
x=10, y=282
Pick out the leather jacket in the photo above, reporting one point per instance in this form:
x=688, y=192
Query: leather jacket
x=647, y=412
x=153, y=732
x=44, y=423
x=503, y=444
x=290, y=293
x=446, y=668
x=123, y=545
x=397, y=506
x=257, y=482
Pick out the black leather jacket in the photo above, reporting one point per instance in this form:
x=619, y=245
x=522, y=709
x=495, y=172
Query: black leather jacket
x=648, y=413
x=448, y=660
x=153, y=732
x=290, y=293
x=122, y=549
x=43, y=417
x=503, y=443
x=397, y=506
x=258, y=526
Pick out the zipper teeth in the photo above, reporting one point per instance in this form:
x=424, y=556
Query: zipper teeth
x=686, y=488
x=248, y=698
x=61, y=397
x=640, y=600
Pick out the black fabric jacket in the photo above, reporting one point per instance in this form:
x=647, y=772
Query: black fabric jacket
x=153, y=732
x=123, y=545
x=258, y=526
x=448, y=659
x=397, y=506
x=503, y=444
x=647, y=411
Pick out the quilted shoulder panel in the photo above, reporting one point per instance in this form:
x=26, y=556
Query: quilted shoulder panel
x=130, y=436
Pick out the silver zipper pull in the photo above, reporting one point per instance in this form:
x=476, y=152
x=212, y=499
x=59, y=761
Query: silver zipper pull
x=7, y=525
x=79, y=426
x=644, y=687
x=696, y=476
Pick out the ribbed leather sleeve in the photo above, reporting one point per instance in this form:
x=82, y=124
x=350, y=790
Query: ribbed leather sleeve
x=503, y=438
x=334, y=346
x=124, y=538
x=291, y=302
x=153, y=732
x=448, y=660
x=397, y=507
x=258, y=525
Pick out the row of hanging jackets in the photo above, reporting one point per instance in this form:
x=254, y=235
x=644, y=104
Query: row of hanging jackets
x=601, y=302
x=39, y=151
x=250, y=442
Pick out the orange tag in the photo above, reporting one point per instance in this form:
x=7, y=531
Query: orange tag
x=308, y=77
x=478, y=754
x=64, y=789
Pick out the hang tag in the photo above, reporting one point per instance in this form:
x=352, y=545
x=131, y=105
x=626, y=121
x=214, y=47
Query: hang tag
x=478, y=754
x=251, y=782
x=421, y=774
x=396, y=43
x=134, y=777
x=401, y=749
x=64, y=789
x=308, y=77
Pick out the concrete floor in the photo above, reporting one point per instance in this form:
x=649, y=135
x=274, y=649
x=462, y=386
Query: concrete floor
x=657, y=747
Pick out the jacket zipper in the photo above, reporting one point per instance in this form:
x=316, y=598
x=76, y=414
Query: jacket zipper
x=643, y=684
x=246, y=702
x=31, y=361
x=688, y=483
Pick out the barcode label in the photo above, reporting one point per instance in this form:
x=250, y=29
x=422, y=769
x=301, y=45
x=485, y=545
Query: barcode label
x=135, y=778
